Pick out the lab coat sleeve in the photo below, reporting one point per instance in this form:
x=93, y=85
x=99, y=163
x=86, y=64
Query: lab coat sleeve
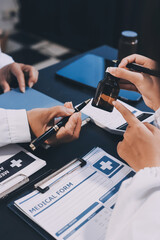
x=14, y=127
x=5, y=59
x=137, y=211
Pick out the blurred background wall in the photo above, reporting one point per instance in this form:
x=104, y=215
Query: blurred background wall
x=86, y=24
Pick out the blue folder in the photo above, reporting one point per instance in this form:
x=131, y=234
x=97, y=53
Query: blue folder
x=29, y=100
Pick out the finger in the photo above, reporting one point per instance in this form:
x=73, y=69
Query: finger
x=72, y=123
x=134, y=77
x=129, y=87
x=129, y=134
x=128, y=116
x=66, y=134
x=32, y=74
x=5, y=86
x=58, y=111
x=152, y=128
x=124, y=81
x=78, y=126
x=18, y=73
x=122, y=150
x=133, y=58
x=68, y=105
x=119, y=146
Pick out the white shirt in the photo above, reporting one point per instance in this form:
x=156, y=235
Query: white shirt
x=14, y=127
x=5, y=59
x=136, y=215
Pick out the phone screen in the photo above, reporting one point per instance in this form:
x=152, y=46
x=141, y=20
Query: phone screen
x=129, y=95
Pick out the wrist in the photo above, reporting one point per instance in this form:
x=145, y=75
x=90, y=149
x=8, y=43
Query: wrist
x=29, y=114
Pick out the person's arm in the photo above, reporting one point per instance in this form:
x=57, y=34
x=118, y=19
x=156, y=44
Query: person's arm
x=137, y=211
x=14, y=127
x=14, y=124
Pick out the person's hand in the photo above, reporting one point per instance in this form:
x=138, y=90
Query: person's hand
x=40, y=120
x=18, y=71
x=140, y=146
x=145, y=84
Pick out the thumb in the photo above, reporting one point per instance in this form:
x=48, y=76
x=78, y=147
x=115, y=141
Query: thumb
x=59, y=111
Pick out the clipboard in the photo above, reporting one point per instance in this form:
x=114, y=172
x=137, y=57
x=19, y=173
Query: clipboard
x=13, y=184
x=16, y=166
x=37, y=186
x=80, y=171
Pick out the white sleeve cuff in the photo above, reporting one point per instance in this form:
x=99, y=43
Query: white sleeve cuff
x=5, y=59
x=14, y=127
x=157, y=118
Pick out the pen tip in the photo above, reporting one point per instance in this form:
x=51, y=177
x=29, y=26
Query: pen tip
x=87, y=101
x=32, y=146
x=115, y=61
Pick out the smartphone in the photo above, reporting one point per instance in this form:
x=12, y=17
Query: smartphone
x=145, y=116
x=126, y=95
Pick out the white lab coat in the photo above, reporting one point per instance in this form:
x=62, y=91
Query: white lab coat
x=136, y=215
x=14, y=127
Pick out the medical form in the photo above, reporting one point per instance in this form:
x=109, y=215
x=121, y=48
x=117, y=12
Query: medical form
x=79, y=203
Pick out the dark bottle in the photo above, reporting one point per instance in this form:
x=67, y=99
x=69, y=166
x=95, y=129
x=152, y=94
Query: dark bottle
x=128, y=43
x=107, y=91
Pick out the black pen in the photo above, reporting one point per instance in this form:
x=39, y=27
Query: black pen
x=36, y=142
x=138, y=68
x=141, y=69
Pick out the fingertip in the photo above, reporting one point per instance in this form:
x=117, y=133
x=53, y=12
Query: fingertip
x=22, y=89
x=111, y=70
x=6, y=90
x=114, y=103
x=123, y=63
x=31, y=84
x=68, y=104
x=78, y=114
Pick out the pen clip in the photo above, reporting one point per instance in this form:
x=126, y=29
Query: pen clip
x=38, y=186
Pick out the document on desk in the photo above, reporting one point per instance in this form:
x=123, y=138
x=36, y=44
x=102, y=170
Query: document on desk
x=16, y=165
x=79, y=203
x=114, y=121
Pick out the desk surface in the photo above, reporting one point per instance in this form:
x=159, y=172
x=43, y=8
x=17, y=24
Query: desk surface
x=11, y=226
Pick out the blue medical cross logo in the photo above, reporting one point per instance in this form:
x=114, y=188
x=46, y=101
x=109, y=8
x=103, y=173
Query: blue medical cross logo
x=106, y=165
